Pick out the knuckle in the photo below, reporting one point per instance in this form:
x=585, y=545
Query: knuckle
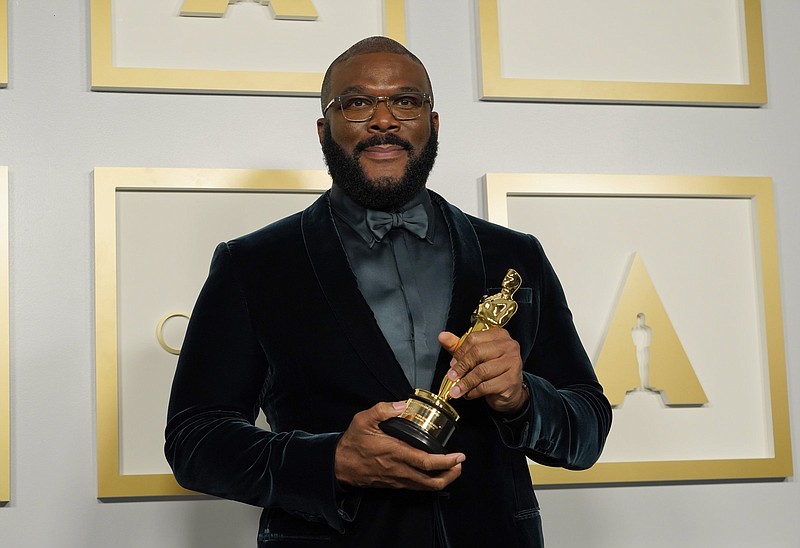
x=427, y=464
x=483, y=371
x=461, y=368
x=477, y=391
x=466, y=384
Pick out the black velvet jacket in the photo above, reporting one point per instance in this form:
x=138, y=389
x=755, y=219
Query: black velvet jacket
x=280, y=325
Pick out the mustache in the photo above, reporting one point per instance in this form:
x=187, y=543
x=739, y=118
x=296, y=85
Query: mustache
x=375, y=140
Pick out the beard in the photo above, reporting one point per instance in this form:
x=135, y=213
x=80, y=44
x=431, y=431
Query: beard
x=380, y=193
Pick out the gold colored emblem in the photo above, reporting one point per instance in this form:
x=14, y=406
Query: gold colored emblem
x=642, y=351
x=293, y=10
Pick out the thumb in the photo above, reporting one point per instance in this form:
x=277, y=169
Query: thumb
x=449, y=341
x=386, y=410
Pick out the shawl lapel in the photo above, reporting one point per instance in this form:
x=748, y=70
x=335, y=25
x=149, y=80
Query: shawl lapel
x=340, y=288
x=469, y=278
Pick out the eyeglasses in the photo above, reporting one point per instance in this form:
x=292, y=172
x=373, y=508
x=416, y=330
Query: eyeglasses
x=360, y=108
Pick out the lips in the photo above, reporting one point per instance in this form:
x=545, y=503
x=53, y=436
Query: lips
x=383, y=151
x=381, y=144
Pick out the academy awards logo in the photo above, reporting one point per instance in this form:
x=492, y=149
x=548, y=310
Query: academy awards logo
x=642, y=351
x=293, y=10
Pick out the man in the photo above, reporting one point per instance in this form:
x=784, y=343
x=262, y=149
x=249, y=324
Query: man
x=327, y=325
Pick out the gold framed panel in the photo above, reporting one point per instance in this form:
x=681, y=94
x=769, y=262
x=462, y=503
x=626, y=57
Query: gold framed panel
x=694, y=273
x=750, y=91
x=3, y=43
x=146, y=217
x=106, y=75
x=5, y=382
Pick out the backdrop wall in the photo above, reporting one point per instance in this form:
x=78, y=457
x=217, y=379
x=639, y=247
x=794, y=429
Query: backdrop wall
x=54, y=131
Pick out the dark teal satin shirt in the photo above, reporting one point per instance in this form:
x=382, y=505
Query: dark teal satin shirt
x=406, y=280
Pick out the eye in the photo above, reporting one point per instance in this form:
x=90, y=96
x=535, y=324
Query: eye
x=356, y=102
x=407, y=101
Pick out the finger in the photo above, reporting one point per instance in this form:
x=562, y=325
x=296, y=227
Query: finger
x=386, y=410
x=484, y=346
x=470, y=356
x=449, y=341
x=468, y=383
x=481, y=344
x=437, y=481
x=432, y=463
x=418, y=480
x=433, y=472
x=428, y=462
x=495, y=376
x=494, y=386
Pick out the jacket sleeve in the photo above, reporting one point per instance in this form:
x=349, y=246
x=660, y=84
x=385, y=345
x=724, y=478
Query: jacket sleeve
x=212, y=444
x=567, y=418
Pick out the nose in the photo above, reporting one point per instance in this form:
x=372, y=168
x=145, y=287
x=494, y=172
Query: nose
x=382, y=119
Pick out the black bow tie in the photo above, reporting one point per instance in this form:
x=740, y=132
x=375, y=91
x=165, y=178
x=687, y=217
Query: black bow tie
x=415, y=220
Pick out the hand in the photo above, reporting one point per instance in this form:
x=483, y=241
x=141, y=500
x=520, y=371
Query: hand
x=366, y=457
x=489, y=365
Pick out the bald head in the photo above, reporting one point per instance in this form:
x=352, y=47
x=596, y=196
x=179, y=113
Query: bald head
x=373, y=44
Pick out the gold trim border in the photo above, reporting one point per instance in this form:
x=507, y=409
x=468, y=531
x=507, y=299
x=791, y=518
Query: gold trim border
x=494, y=87
x=3, y=43
x=107, y=77
x=108, y=181
x=499, y=186
x=5, y=380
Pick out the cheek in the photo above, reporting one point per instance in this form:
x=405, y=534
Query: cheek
x=421, y=134
x=346, y=138
x=419, y=143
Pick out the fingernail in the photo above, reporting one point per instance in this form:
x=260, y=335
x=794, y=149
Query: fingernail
x=452, y=375
x=461, y=458
x=453, y=362
x=399, y=405
x=455, y=391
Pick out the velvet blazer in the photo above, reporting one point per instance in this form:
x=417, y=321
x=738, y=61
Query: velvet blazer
x=280, y=325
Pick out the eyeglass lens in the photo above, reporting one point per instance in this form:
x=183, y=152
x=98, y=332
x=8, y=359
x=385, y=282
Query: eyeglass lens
x=403, y=106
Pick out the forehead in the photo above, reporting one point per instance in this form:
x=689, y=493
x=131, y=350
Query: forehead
x=378, y=72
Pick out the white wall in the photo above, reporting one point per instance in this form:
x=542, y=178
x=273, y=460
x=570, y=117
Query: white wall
x=53, y=131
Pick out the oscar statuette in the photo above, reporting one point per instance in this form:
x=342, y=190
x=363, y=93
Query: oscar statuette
x=429, y=420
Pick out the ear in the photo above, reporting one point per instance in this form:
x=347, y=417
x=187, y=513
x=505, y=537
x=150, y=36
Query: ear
x=435, y=121
x=321, y=122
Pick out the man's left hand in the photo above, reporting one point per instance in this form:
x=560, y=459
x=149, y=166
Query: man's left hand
x=489, y=365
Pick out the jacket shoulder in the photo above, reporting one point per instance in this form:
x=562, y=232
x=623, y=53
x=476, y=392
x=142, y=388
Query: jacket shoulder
x=483, y=229
x=282, y=234
x=277, y=233
x=493, y=236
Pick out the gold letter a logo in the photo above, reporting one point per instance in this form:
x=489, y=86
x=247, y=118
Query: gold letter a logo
x=302, y=10
x=648, y=356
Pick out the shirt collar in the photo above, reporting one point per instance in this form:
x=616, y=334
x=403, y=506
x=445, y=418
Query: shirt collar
x=354, y=215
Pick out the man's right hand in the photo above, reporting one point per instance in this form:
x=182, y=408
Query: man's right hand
x=366, y=457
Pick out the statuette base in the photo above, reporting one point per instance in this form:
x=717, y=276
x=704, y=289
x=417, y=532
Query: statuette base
x=426, y=423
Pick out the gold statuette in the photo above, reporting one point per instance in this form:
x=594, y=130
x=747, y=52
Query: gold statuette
x=429, y=420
